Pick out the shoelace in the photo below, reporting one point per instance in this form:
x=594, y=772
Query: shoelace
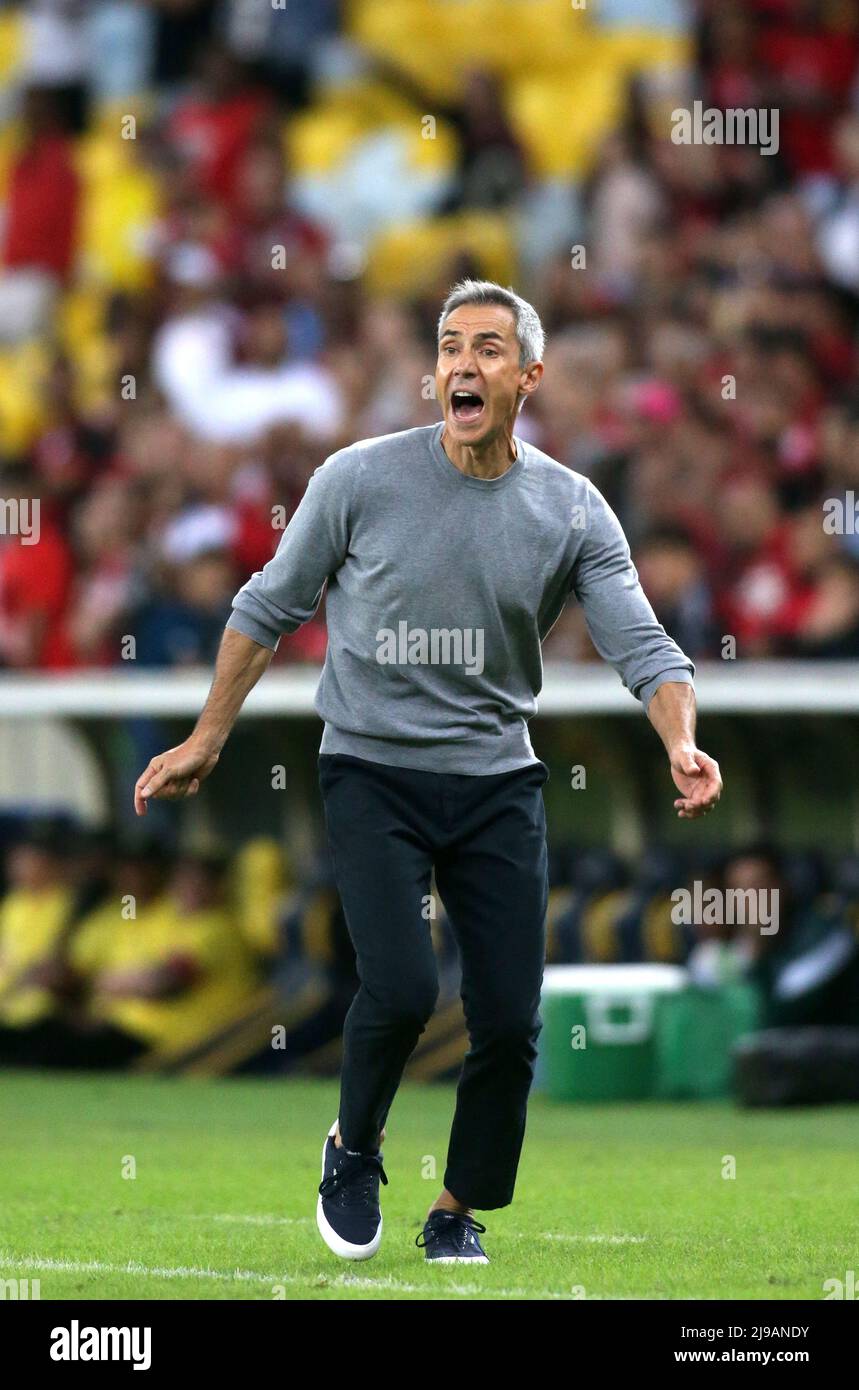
x=455, y=1227
x=356, y=1178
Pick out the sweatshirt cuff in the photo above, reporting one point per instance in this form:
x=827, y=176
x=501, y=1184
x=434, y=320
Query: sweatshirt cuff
x=681, y=674
x=258, y=632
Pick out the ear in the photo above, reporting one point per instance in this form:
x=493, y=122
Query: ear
x=530, y=378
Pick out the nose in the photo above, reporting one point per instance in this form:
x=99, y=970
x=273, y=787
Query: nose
x=465, y=367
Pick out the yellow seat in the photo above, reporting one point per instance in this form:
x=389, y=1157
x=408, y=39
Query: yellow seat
x=23, y=372
x=80, y=315
x=8, y=149
x=80, y=331
x=437, y=39
x=320, y=139
x=111, y=117
x=11, y=43
x=561, y=123
x=408, y=257
x=636, y=50
x=259, y=880
x=120, y=206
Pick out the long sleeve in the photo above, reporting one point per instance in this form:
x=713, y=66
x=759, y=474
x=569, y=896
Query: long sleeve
x=287, y=592
x=623, y=627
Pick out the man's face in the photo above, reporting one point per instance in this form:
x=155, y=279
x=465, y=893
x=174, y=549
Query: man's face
x=477, y=376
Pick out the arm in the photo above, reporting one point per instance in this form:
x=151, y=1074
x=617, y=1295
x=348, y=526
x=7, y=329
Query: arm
x=165, y=981
x=696, y=775
x=179, y=771
x=626, y=633
x=278, y=599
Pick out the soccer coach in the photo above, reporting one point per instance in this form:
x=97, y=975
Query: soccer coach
x=448, y=552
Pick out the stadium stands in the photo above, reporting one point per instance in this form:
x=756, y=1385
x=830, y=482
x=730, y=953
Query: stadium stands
x=221, y=258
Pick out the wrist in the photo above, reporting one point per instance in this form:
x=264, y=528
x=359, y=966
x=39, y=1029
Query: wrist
x=206, y=743
x=680, y=748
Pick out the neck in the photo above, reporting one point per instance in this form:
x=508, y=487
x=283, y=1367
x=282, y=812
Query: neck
x=490, y=459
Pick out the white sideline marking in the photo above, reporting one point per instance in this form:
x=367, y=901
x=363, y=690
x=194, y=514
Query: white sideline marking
x=249, y=1276
x=264, y=1220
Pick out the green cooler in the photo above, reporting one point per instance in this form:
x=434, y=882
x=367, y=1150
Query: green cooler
x=600, y=1029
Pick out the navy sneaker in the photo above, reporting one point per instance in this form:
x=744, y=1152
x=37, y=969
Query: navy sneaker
x=451, y=1238
x=347, y=1211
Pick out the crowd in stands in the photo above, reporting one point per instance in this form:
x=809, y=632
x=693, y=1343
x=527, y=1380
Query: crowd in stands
x=114, y=955
x=188, y=326
x=785, y=923
x=114, y=951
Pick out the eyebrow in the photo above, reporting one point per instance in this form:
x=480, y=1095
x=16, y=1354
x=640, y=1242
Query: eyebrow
x=488, y=333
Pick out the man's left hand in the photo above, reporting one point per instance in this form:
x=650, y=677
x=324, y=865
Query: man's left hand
x=698, y=779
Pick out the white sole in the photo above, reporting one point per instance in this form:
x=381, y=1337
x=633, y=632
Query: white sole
x=459, y=1260
x=334, y=1242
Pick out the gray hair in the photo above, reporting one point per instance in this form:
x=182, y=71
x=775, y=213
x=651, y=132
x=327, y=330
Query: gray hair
x=529, y=329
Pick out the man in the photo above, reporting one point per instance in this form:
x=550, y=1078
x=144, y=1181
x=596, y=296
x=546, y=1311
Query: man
x=449, y=552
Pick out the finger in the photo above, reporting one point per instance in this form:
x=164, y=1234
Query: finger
x=175, y=790
x=691, y=810
x=160, y=780
x=710, y=769
x=704, y=793
x=139, y=786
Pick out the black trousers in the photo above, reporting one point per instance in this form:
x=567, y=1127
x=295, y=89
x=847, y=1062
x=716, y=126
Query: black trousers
x=388, y=827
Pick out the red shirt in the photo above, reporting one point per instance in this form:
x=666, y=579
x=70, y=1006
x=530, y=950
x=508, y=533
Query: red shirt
x=764, y=599
x=42, y=212
x=821, y=65
x=37, y=579
x=214, y=137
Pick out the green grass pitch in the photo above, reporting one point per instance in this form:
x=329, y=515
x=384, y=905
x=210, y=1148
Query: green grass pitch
x=616, y=1201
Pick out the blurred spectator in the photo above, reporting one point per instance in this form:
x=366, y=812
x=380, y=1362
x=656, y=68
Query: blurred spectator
x=674, y=580
x=173, y=973
x=761, y=597
x=810, y=69
x=491, y=170
x=830, y=625
x=807, y=970
x=39, y=239
x=183, y=626
x=32, y=922
x=273, y=248
x=213, y=126
x=838, y=209
x=223, y=400
x=36, y=568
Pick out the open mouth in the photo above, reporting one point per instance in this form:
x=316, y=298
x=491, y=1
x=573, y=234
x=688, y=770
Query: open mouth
x=466, y=405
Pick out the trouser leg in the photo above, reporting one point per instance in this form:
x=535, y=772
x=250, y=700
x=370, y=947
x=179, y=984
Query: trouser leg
x=494, y=884
x=382, y=866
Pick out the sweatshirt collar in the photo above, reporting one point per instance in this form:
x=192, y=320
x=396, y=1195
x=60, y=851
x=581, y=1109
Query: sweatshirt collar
x=467, y=479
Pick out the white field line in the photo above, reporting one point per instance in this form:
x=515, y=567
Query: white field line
x=264, y=1220
x=248, y=1276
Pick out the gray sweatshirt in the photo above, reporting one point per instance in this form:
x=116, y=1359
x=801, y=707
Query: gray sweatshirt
x=441, y=588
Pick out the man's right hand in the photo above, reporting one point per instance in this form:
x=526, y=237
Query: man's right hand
x=174, y=774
